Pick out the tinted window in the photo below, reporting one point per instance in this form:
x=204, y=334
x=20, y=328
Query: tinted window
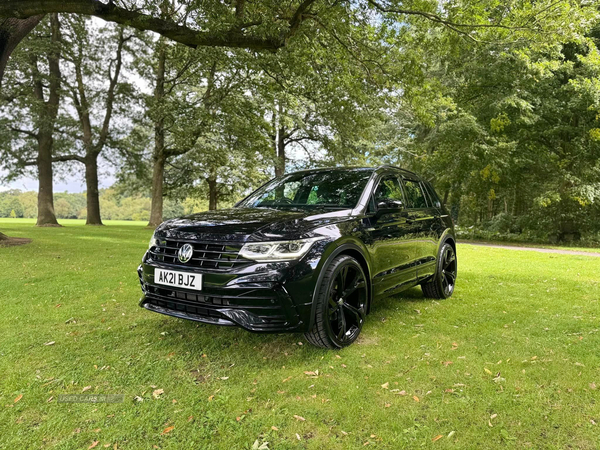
x=337, y=188
x=414, y=194
x=389, y=189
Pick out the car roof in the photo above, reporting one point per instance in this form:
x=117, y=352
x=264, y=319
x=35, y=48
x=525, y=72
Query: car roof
x=356, y=169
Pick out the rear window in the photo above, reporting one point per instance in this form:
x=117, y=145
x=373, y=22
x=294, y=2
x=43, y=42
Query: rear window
x=435, y=200
x=415, y=197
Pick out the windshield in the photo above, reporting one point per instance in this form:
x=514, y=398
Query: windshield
x=335, y=189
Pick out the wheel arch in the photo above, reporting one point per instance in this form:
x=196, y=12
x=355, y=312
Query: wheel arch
x=349, y=249
x=447, y=236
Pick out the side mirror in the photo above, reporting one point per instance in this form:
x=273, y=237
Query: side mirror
x=389, y=206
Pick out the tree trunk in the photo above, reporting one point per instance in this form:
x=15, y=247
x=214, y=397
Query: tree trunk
x=280, y=163
x=280, y=145
x=45, y=139
x=93, y=195
x=46, y=215
x=213, y=195
x=158, y=173
x=13, y=31
x=3, y=237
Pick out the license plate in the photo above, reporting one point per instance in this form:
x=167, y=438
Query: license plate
x=178, y=279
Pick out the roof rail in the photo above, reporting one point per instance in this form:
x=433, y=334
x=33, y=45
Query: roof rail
x=390, y=166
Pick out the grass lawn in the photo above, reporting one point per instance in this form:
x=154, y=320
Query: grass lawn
x=511, y=361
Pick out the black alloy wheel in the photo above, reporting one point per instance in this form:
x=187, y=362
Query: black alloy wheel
x=448, y=271
x=341, y=304
x=444, y=280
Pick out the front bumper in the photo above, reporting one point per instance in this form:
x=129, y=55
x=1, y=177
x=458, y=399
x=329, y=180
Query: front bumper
x=262, y=297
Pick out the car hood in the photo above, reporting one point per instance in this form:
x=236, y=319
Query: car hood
x=241, y=224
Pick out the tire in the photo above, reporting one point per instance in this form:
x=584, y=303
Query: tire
x=443, y=282
x=341, y=304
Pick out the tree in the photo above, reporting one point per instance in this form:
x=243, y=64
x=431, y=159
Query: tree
x=92, y=69
x=189, y=86
x=32, y=114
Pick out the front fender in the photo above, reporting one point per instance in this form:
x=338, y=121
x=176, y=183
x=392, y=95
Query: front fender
x=334, y=249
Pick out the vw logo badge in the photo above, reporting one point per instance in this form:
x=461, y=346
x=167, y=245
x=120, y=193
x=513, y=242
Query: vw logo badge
x=185, y=253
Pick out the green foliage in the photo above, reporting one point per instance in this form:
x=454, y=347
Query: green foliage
x=517, y=137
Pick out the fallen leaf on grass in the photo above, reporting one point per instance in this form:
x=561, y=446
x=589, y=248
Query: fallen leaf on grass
x=157, y=393
x=168, y=430
x=274, y=428
x=437, y=438
x=93, y=444
x=416, y=399
x=385, y=385
x=447, y=363
x=287, y=379
x=263, y=446
x=387, y=405
x=488, y=371
x=49, y=343
x=87, y=388
x=298, y=436
x=300, y=418
x=451, y=434
x=210, y=399
x=19, y=397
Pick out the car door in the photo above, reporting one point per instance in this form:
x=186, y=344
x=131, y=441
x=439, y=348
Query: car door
x=424, y=218
x=390, y=240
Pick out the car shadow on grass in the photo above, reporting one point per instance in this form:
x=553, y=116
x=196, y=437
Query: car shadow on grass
x=205, y=338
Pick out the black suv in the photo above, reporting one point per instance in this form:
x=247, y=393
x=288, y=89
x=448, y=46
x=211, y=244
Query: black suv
x=306, y=252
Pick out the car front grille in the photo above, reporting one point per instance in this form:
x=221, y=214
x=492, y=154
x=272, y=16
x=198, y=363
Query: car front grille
x=207, y=255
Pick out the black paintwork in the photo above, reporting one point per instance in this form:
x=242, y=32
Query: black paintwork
x=397, y=249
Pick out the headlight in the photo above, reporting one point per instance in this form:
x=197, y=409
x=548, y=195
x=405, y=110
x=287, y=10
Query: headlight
x=277, y=250
x=152, y=242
